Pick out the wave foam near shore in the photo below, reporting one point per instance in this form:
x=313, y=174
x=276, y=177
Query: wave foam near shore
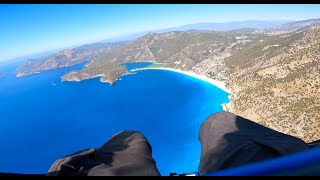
x=216, y=83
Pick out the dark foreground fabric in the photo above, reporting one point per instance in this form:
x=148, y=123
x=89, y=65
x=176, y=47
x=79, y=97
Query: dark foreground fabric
x=127, y=153
x=228, y=141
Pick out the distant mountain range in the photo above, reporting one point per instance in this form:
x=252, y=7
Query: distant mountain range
x=31, y=56
x=255, y=24
x=296, y=24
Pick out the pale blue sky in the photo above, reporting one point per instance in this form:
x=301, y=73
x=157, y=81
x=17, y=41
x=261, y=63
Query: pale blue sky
x=28, y=29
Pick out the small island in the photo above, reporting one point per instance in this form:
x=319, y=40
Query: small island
x=2, y=74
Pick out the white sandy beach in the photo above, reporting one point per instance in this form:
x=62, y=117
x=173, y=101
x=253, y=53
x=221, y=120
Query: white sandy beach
x=216, y=83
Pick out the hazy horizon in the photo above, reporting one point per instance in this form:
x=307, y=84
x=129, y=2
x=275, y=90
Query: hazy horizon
x=131, y=33
x=33, y=29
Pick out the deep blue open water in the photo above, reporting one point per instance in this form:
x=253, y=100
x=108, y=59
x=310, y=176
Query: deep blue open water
x=43, y=119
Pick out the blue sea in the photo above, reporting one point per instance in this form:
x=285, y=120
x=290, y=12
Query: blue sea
x=43, y=119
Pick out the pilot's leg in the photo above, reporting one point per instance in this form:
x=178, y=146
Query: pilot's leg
x=228, y=140
x=127, y=153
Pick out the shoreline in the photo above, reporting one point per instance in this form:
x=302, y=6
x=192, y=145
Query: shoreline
x=213, y=82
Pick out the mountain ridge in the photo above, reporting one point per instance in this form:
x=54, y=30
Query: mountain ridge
x=64, y=58
x=188, y=27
